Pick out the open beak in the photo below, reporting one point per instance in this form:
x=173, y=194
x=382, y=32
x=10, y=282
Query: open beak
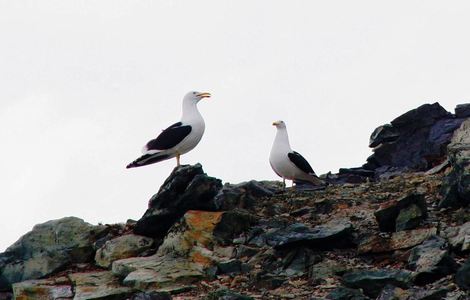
x=204, y=95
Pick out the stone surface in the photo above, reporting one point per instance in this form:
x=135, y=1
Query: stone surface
x=98, y=285
x=391, y=292
x=372, y=281
x=326, y=269
x=335, y=234
x=456, y=186
x=431, y=261
x=151, y=296
x=462, y=278
x=411, y=209
x=244, y=195
x=458, y=237
x=125, y=246
x=462, y=110
x=187, y=188
x=343, y=293
x=397, y=240
x=49, y=247
x=45, y=289
x=224, y=294
x=383, y=134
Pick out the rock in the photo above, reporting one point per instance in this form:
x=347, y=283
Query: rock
x=462, y=277
x=431, y=261
x=297, y=261
x=243, y=195
x=224, y=294
x=343, y=293
x=372, y=281
x=232, y=266
x=49, y=247
x=391, y=292
x=336, y=234
x=462, y=110
x=458, y=237
x=125, y=246
x=187, y=188
x=456, y=186
x=151, y=296
x=98, y=285
x=411, y=209
x=327, y=268
x=415, y=140
x=45, y=289
x=397, y=240
x=231, y=224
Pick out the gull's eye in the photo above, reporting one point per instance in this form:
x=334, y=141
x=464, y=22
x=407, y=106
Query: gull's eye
x=194, y=93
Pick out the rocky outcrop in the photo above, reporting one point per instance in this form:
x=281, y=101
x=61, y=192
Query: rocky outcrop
x=48, y=248
x=458, y=237
x=415, y=140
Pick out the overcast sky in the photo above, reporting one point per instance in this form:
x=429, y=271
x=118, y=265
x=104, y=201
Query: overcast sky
x=85, y=84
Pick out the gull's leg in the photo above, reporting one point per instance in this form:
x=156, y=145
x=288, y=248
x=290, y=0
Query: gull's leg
x=177, y=160
x=283, y=183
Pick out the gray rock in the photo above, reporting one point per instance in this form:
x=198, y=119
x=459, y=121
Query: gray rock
x=462, y=110
x=224, y=294
x=151, y=296
x=243, y=195
x=383, y=134
x=187, y=188
x=336, y=234
x=391, y=292
x=462, y=277
x=98, y=285
x=343, y=293
x=431, y=261
x=49, y=247
x=456, y=186
x=125, y=246
x=373, y=281
x=458, y=237
x=325, y=269
x=388, y=213
x=45, y=289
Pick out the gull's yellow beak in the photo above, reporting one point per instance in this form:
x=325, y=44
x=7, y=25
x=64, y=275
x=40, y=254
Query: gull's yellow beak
x=275, y=123
x=204, y=95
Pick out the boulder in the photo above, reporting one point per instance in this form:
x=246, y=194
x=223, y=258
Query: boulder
x=462, y=277
x=343, y=293
x=49, y=247
x=373, y=281
x=98, y=285
x=415, y=140
x=244, y=195
x=431, y=261
x=391, y=292
x=151, y=296
x=125, y=246
x=462, y=110
x=187, y=188
x=402, y=214
x=458, y=237
x=455, y=189
x=335, y=234
x=397, y=240
x=45, y=289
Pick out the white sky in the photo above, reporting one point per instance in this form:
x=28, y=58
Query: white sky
x=85, y=84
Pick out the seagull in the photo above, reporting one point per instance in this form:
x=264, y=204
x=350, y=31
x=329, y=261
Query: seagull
x=177, y=139
x=287, y=163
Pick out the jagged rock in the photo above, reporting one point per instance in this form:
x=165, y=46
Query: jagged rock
x=187, y=188
x=325, y=269
x=372, y=281
x=414, y=140
x=410, y=210
x=458, y=237
x=231, y=224
x=397, y=240
x=431, y=261
x=391, y=292
x=297, y=261
x=336, y=234
x=125, y=246
x=456, y=186
x=243, y=195
x=49, y=247
x=462, y=110
x=98, y=285
x=232, y=266
x=45, y=289
x=224, y=294
x=343, y=293
x=462, y=277
x=151, y=296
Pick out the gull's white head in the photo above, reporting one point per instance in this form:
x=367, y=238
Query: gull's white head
x=195, y=97
x=279, y=124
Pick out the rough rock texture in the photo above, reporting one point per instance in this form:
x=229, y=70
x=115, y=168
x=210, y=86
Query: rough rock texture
x=456, y=186
x=49, y=247
x=125, y=246
x=431, y=261
x=187, y=188
x=98, y=285
x=458, y=236
x=462, y=278
x=414, y=140
x=244, y=195
x=391, y=292
x=372, y=282
x=45, y=289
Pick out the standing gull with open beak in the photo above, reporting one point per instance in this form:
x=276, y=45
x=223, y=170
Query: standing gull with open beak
x=287, y=163
x=177, y=139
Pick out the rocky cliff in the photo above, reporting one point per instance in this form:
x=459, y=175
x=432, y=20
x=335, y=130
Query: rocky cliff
x=396, y=228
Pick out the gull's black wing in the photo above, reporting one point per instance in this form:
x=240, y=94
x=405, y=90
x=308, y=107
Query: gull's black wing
x=169, y=137
x=300, y=162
